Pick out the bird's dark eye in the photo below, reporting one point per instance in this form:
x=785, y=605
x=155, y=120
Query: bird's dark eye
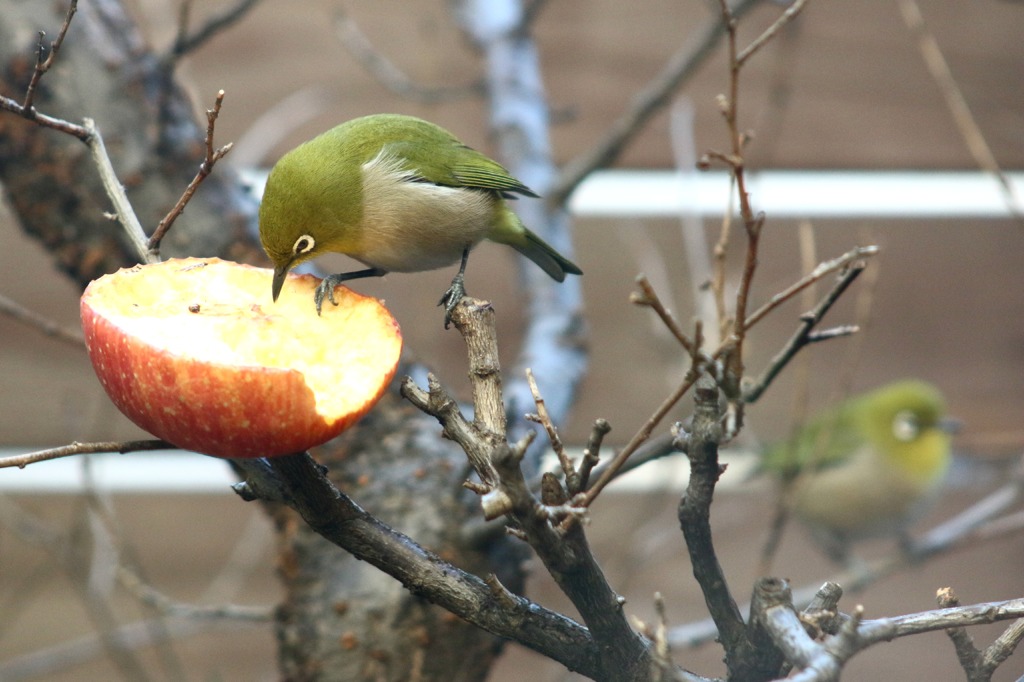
x=303, y=244
x=905, y=426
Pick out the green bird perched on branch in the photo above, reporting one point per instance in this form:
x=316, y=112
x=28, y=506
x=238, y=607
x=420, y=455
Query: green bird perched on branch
x=398, y=194
x=868, y=467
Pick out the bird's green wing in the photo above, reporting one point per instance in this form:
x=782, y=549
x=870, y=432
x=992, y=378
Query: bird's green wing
x=427, y=150
x=476, y=170
x=824, y=442
x=451, y=163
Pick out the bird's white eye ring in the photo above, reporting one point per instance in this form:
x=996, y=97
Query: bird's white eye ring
x=905, y=426
x=303, y=244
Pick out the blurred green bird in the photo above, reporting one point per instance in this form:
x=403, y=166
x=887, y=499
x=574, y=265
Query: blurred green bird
x=868, y=467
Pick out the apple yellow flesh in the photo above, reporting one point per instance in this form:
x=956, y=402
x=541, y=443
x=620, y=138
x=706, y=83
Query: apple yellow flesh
x=195, y=352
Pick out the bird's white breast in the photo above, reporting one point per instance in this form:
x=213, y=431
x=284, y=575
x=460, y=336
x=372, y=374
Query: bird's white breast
x=862, y=496
x=410, y=225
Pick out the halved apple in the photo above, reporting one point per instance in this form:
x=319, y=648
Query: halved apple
x=195, y=352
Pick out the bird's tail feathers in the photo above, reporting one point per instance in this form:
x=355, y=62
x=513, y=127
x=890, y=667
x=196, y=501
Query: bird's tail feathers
x=539, y=251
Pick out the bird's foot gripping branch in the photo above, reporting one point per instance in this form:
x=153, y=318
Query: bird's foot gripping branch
x=195, y=352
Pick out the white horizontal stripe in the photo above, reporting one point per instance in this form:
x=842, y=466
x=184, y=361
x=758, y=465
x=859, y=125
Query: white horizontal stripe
x=179, y=471
x=800, y=194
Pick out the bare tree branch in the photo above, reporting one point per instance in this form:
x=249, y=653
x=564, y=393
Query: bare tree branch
x=652, y=99
x=592, y=453
x=49, y=661
x=550, y=525
x=300, y=483
x=960, y=111
x=981, y=522
x=205, y=168
x=789, y=15
x=389, y=75
x=543, y=418
x=87, y=133
x=123, y=210
x=966, y=652
x=804, y=335
x=126, y=94
x=185, y=42
x=1003, y=646
x=815, y=275
x=32, y=319
x=76, y=448
x=608, y=473
x=43, y=65
x=695, y=521
x=649, y=297
x=170, y=608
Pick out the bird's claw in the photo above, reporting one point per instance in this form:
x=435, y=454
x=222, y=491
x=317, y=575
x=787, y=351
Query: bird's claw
x=452, y=297
x=326, y=290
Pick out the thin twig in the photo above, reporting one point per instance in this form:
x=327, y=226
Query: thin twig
x=185, y=43
x=170, y=608
x=52, y=122
x=658, y=447
x=123, y=210
x=76, y=448
x=40, y=323
x=620, y=459
x=885, y=629
x=732, y=346
x=964, y=120
x=679, y=68
x=26, y=108
x=839, y=332
x=649, y=297
x=1003, y=646
x=389, y=75
x=205, y=168
x=803, y=335
x=699, y=362
x=789, y=15
x=592, y=453
x=544, y=419
x=963, y=644
x=43, y=65
x=815, y=275
x=90, y=135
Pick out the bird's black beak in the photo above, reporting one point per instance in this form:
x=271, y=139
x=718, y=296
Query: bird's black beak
x=280, y=272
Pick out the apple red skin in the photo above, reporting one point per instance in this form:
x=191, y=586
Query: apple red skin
x=230, y=411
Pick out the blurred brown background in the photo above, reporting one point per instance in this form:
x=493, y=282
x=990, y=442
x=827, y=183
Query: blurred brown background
x=846, y=89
